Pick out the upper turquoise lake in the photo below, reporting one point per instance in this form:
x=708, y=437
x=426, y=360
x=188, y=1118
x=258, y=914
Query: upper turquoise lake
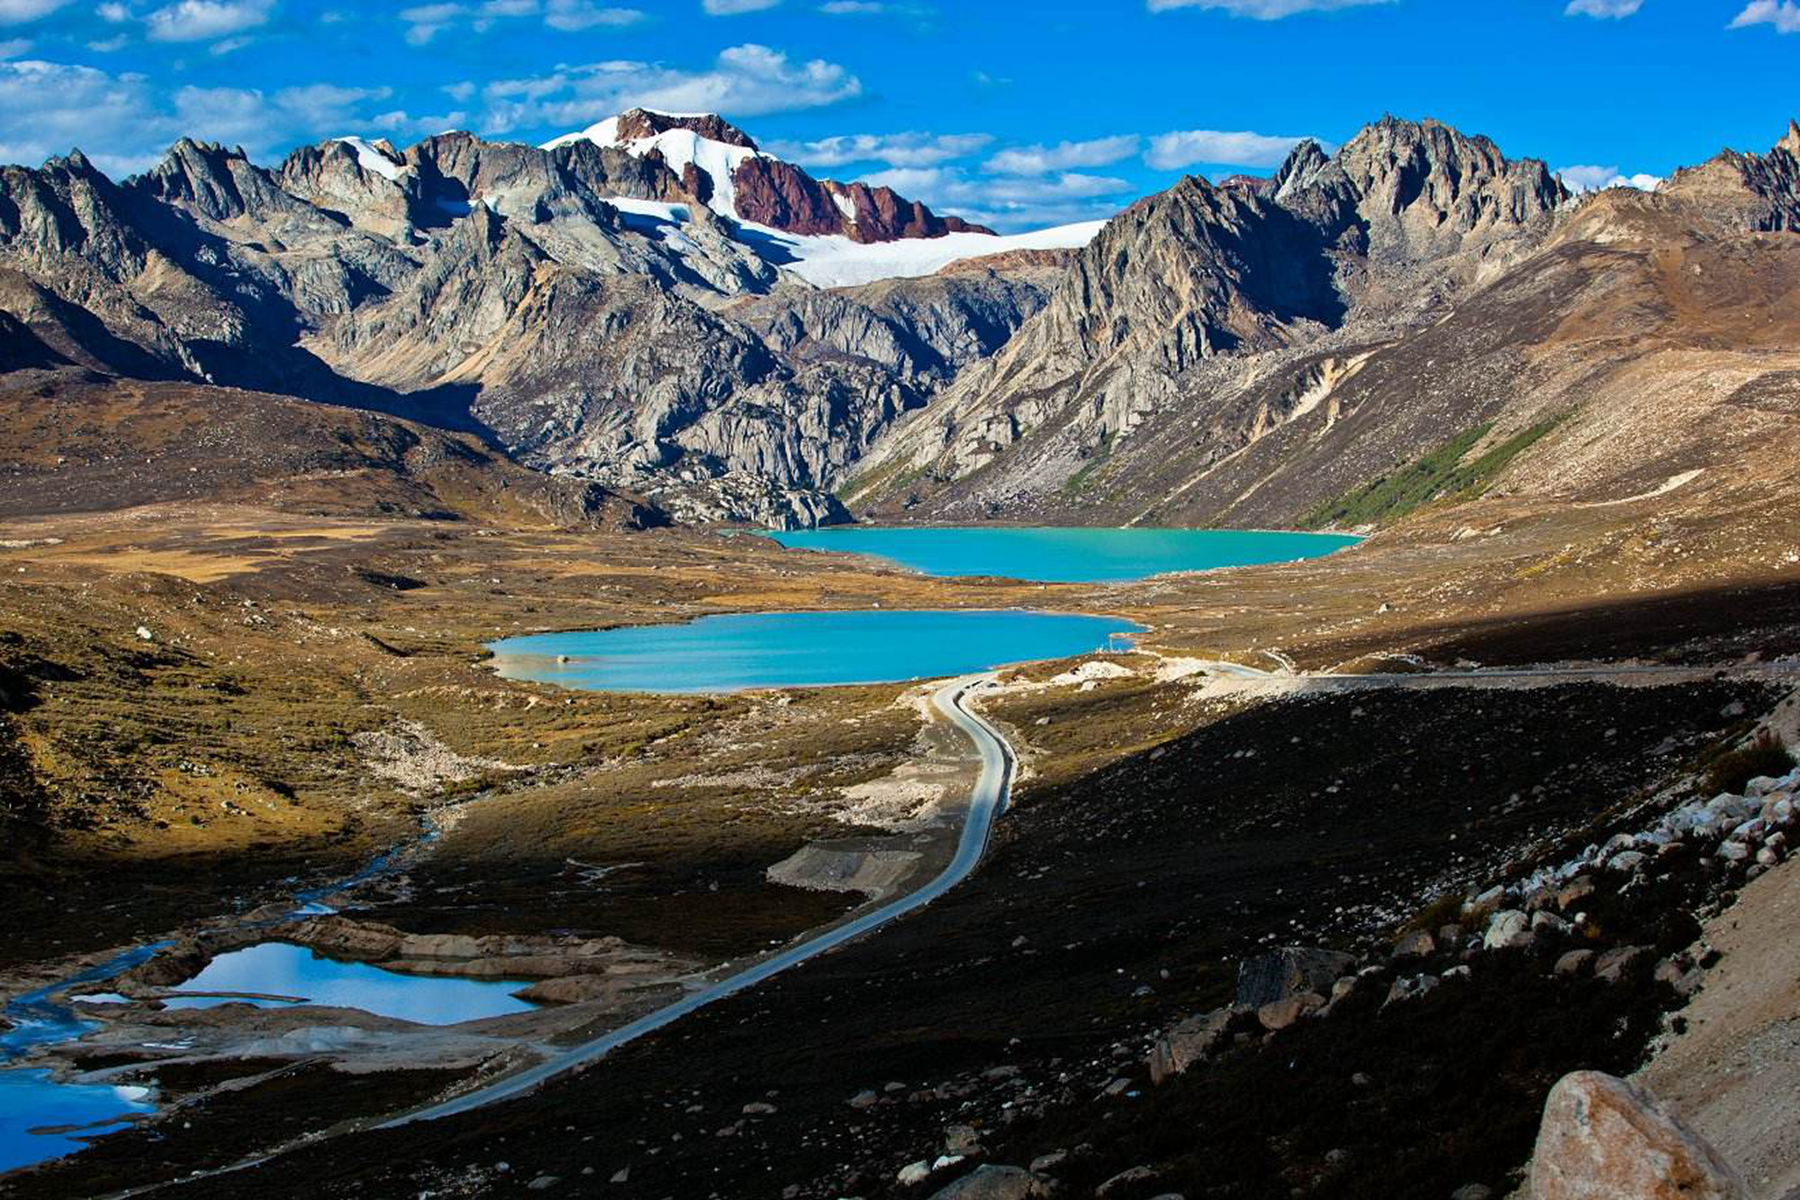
x=1066, y=555
x=800, y=649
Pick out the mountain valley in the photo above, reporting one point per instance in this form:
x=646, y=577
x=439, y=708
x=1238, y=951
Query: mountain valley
x=285, y=451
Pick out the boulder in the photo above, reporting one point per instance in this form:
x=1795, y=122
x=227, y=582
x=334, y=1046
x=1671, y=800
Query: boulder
x=995, y=1183
x=1507, y=929
x=1602, y=1138
x=1574, y=962
x=1615, y=964
x=1124, y=1181
x=1417, y=944
x=1186, y=1043
x=1410, y=987
x=1288, y=972
x=1577, y=891
x=1279, y=1014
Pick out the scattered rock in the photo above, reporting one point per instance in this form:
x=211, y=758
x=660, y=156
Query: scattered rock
x=758, y=1108
x=1615, y=964
x=914, y=1173
x=1123, y=1180
x=1574, y=962
x=542, y=1183
x=963, y=1140
x=1045, y=1164
x=863, y=1099
x=1415, y=945
x=994, y=1183
x=1507, y=929
x=1410, y=987
x=1601, y=1138
x=1473, y=1191
x=1184, y=1044
x=1288, y=972
x=1280, y=1014
x=1577, y=891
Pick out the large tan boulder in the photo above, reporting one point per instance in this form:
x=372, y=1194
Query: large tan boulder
x=1604, y=1139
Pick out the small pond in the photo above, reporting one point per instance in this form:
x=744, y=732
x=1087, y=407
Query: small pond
x=280, y=974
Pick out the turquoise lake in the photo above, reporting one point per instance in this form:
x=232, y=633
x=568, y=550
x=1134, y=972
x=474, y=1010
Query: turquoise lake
x=282, y=969
x=801, y=649
x=1066, y=555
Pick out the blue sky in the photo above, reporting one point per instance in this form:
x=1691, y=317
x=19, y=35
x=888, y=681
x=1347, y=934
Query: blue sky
x=1019, y=114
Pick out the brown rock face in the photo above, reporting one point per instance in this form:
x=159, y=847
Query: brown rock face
x=642, y=123
x=1603, y=1139
x=1746, y=191
x=782, y=196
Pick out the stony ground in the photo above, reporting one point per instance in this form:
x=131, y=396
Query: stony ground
x=1109, y=908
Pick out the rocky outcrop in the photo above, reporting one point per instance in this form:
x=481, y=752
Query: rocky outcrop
x=1605, y=1139
x=778, y=194
x=639, y=123
x=1746, y=191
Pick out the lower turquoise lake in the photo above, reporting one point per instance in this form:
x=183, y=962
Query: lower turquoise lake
x=29, y=1101
x=801, y=649
x=283, y=969
x=1066, y=555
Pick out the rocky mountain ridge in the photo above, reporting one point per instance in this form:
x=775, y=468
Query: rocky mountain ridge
x=1226, y=354
x=1252, y=357
x=565, y=303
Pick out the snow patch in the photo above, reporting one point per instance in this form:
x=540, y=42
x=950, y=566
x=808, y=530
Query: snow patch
x=845, y=205
x=678, y=147
x=836, y=261
x=371, y=158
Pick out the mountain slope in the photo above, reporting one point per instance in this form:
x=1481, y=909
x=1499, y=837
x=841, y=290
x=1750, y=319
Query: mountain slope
x=1206, y=357
x=569, y=304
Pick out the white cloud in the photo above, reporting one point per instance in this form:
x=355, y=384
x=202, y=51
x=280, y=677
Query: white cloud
x=1784, y=15
x=326, y=105
x=1009, y=202
x=204, y=20
x=1041, y=160
x=1581, y=179
x=17, y=12
x=425, y=21
x=14, y=47
x=745, y=81
x=852, y=8
x=109, y=45
x=1263, y=10
x=573, y=15
x=1602, y=8
x=113, y=14
x=1242, y=148
x=125, y=124
x=896, y=149
x=731, y=8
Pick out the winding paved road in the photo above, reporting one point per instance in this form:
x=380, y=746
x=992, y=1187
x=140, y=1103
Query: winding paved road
x=992, y=788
